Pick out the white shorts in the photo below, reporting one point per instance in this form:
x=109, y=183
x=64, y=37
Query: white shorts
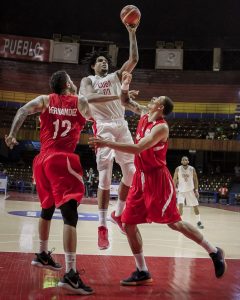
x=191, y=199
x=117, y=131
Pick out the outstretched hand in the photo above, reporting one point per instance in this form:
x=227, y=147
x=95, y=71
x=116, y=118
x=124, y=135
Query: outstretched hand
x=10, y=141
x=133, y=94
x=97, y=142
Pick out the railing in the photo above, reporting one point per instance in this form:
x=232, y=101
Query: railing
x=182, y=107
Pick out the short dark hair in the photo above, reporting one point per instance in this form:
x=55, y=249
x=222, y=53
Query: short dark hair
x=168, y=106
x=92, y=58
x=58, y=81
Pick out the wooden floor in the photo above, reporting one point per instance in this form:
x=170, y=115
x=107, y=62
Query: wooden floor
x=180, y=269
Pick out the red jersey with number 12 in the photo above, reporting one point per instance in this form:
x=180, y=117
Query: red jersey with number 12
x=61, y=124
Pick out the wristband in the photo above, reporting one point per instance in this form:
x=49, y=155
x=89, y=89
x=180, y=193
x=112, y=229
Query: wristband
x=125, y=87
x=196, y=190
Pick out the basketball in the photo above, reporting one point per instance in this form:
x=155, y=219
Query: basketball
x=130, y=15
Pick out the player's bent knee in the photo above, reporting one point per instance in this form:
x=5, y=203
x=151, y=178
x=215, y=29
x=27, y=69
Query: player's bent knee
x=128, y=171
x=69, y=213
x=105, y=177
x=47, y=213
x=174, y=226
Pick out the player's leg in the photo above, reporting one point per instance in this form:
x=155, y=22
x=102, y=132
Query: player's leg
x=126, y=162
x=141, y=276
x=128, y=170
x=180, y=202
x=192, y=200
x=194, y=234
x=71, y=280
x=44, y=258
x=105, y=176
x=104, y=160
x=67, y=185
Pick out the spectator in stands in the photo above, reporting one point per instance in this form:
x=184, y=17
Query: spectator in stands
x=33, y=185
x=3, y=171
x=237, y=171
x=186, y=182
x=218, y=169
x=223, y=193
x=89, y=182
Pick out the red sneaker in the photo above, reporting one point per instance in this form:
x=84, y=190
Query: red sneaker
x=103, y=242
x=117, y=220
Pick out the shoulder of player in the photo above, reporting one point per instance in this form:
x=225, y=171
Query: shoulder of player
x=86, y=80
x=45, y=99
x=161, y=127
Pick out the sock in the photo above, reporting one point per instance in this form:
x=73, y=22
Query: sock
x=102, y=217
x=43, y=246
x=140, y=262
x=198, y=218
x=208, y=247
x=70, y=261
x=119, y=207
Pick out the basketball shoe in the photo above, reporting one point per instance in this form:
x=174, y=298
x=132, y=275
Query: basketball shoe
x=45, y=260
x=72, y=282
x=103, y=242
x=138, y=278
x=219, y=262
x=117, y=220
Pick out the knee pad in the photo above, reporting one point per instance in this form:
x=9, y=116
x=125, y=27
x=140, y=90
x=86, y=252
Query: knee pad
x=128, y=171
x=69, y=213
x=47, y=213
x=105, y=178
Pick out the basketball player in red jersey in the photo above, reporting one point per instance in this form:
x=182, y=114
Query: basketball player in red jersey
x=152, y=196
x=109, y=121
x=57, y=170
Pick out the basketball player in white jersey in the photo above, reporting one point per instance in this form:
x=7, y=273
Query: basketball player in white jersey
x=109, y=122
x=186, y=183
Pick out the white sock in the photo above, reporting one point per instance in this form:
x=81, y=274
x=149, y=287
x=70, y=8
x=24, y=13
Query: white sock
x=140, y=262
x=43, y=246
x=70, y=261
x=102, y=217
x=207, y=246
x=198, y=218
x=119, y=207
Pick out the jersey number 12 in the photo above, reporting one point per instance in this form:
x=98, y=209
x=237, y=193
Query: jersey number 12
x=64, y=124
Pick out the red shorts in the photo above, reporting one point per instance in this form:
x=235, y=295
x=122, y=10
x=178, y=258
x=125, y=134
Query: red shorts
x=151, y=198
x=58, y=178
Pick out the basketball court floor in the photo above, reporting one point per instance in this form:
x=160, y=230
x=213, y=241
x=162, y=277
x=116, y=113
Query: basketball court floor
x=181, y=269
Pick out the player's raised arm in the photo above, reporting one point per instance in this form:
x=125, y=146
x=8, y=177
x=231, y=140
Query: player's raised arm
x=132, y=61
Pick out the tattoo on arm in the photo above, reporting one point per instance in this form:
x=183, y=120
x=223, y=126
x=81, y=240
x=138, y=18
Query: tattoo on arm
x=83, y=107
x=136, y=107
x=32, y=107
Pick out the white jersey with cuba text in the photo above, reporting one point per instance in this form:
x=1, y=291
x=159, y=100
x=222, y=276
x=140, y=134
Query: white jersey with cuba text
x=108, y=85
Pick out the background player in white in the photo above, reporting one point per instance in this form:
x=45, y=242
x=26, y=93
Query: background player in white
x=186, y=182
x=110, y=124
